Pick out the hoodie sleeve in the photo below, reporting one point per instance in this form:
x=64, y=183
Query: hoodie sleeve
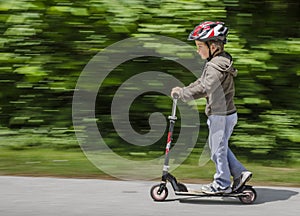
x=206, y=84
x=193, y=91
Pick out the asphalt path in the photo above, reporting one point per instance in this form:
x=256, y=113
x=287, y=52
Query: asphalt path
x=88, y=197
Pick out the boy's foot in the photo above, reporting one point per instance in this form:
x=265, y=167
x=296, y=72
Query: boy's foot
x=214, y=188
x=237, y=183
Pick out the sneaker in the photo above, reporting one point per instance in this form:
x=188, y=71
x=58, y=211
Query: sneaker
x=245, y=177
x=214, y=188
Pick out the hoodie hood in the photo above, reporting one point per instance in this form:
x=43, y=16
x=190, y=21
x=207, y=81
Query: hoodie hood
x=223, y=63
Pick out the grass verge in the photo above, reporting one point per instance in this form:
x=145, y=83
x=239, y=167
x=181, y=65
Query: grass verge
x=57, y=153
x=74, y=164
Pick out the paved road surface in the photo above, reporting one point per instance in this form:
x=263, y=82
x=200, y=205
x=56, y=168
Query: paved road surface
x=26, y=196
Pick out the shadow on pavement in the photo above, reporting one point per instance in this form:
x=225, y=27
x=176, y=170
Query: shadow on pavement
x=265, y=195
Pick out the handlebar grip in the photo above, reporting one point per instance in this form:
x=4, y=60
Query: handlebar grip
x=175, y=96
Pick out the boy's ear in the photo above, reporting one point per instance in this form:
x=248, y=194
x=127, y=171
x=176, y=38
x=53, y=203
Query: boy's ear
x=213, y=45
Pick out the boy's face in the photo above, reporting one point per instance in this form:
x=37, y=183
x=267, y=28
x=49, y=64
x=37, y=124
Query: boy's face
x=202, y=49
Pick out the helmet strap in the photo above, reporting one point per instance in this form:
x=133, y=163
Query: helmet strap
x=210, y=55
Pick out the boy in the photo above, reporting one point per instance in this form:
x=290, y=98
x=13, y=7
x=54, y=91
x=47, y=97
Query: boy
x=216, y=84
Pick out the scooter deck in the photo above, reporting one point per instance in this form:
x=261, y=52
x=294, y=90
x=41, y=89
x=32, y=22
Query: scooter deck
x=201, y=194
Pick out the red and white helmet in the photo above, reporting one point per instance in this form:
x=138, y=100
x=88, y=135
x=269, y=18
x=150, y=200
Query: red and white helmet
x=208, y=30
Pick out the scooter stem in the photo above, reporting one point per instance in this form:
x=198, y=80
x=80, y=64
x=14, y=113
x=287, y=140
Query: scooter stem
x=172, y=119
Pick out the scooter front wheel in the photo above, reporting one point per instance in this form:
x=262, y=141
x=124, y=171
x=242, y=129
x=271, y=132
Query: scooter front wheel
x=159, y=192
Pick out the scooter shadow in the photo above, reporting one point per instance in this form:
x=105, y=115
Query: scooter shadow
x=264, y=195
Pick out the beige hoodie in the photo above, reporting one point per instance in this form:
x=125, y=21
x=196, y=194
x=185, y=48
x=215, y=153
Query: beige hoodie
x=216, y=84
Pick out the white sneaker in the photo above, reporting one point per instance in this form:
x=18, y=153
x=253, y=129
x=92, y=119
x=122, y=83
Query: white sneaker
x=239, y=182
x=214, y=188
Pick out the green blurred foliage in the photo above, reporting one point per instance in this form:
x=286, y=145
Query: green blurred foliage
x=45, y=44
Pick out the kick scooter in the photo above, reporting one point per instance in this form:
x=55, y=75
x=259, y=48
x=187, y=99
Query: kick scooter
x=159, y=192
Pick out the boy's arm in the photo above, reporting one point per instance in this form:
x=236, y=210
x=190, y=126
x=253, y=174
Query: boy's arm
x=193, y=91
x=203, y=86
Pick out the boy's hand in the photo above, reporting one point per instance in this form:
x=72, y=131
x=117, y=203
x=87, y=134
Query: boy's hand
x=176, y=92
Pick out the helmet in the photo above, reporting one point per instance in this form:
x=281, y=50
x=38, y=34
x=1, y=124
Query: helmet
x=208, y=30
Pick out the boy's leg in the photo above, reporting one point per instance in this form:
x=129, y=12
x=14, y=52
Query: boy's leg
x=219, y=149
x=236, y=168
x=238, y=171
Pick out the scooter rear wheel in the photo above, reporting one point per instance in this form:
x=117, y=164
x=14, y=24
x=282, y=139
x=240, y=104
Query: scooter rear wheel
x=249, y=195
x=158, y=195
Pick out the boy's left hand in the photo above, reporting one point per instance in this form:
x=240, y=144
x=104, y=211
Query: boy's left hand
x=176, y=91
